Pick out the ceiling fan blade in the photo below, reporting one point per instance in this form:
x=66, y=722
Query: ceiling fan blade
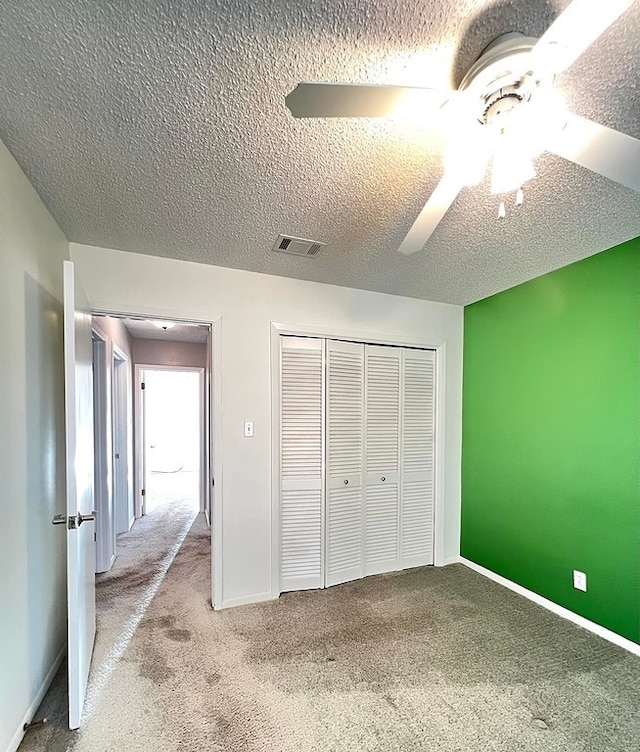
x=434, y=210
x=578, y=26
x=309, y=100
x=600, y=149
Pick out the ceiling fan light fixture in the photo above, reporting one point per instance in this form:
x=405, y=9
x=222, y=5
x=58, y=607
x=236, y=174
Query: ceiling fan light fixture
x=510, y=169
x=467, y=160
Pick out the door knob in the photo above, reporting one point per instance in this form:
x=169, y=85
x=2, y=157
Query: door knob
x=73, y=522
x=383, y=479
x=86, y=517
x=346, y=482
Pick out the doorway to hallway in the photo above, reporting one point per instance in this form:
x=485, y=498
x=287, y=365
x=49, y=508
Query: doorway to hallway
x=171, y=427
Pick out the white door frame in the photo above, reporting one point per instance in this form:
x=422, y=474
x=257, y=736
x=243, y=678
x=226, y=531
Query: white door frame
x=122, y=414
x=215, y=422
x=103, y=487
x=139, y=460
x=295, y=330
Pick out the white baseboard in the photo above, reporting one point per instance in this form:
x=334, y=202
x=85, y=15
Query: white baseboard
x=247, y=600
x=451, y=560
x=590, y=626
x=28, y=716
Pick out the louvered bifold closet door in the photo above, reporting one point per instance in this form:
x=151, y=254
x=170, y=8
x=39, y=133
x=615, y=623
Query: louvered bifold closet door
x=345, y=407
x=382, y=455
x=301, y=463
x=417, y=458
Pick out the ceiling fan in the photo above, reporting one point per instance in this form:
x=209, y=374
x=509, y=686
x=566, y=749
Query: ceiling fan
x=506, y=110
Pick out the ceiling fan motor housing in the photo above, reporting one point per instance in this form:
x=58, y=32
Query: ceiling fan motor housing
x=502, y=78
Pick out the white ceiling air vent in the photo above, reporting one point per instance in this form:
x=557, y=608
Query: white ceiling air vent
x=297, y=246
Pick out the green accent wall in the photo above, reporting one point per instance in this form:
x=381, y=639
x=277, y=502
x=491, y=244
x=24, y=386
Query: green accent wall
x=551, y=436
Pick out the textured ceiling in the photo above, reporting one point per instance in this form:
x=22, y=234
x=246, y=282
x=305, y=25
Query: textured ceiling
x=147, y=329
x=160, y=127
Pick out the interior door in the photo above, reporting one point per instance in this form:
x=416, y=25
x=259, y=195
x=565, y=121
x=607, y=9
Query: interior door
x=80, y=522
x=301, y=463
x=345, y=408
x=417, y=458
x=382, y=458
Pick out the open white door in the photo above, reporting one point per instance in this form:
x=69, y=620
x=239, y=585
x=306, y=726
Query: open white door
x=81, y=558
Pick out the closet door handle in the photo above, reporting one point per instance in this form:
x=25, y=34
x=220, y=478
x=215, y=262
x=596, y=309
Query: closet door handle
x=346, y=482
x=383, y=479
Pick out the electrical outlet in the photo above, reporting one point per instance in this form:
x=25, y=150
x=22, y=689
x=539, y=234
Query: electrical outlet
x=579, y=580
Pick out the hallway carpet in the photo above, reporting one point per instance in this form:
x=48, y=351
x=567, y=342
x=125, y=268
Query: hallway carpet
x=436, y=660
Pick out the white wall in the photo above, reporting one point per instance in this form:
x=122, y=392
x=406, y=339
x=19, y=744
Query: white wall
x=156, y=352
x=32, y=467
x=247, y=303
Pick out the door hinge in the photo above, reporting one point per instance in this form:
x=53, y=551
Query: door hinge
x=142, y=386
x=143, y=492
x=94, y=538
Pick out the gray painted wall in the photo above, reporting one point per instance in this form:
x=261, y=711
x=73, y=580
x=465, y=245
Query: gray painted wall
x=154, y=352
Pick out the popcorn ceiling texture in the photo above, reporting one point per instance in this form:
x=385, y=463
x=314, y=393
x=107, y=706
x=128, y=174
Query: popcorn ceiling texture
x=160, y=127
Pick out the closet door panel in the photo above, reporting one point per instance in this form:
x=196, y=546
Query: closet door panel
x=417, y=465
x=301, y=460
x=381, y=528
x=344, y=535
x=382, y=453
x=345, y=408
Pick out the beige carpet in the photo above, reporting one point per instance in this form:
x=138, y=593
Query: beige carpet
x=437, y=660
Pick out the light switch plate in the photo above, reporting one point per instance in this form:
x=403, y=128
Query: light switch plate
x=248, y=429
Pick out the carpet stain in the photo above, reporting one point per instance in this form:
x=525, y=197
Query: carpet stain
x=391, y=702
x=178, y=635
x=153, y=665
x=163, y=622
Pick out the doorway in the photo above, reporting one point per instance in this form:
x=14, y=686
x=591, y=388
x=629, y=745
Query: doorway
x=98, y=381
x=171, y=439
